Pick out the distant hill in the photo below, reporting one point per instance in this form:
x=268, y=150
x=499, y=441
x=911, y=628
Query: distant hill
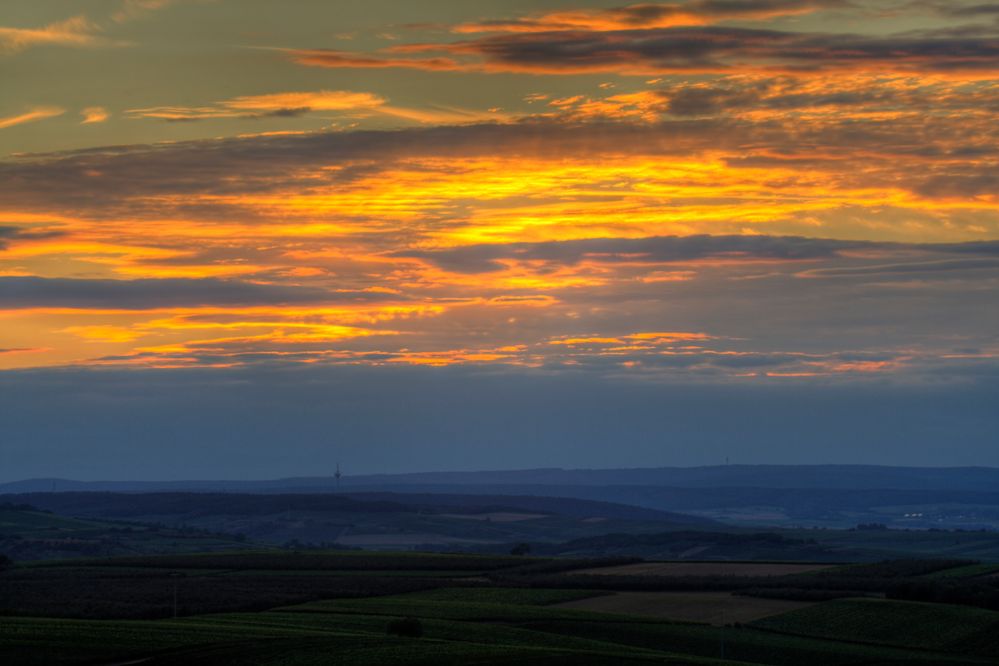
x=845, y=477
x=385, y=521
x=562, y=506
x=194, y=505
x=839, y=496
x=841, y=477
x=32, y=533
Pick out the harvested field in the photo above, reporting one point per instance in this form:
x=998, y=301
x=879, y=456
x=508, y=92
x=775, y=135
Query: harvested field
x=716, y=608
x=705, y=569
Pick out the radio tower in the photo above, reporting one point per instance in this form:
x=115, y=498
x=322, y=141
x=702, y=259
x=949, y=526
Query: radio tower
x=338, y=475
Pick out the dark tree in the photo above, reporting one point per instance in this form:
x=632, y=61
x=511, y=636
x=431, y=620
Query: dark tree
x=409, y=627
x=521, y=549
x=5, y=562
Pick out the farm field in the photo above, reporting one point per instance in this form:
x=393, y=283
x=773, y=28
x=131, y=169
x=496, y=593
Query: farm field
x=922, y=625
x=882, y=544
x=336, y=607
x=29, y=533
x=717, y=608
x=968, y=571
x=706, y=569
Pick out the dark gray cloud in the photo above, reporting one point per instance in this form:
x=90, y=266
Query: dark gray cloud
x=955, y=9
x=984, y=180
x=137, y=180
x=785, y=93
x=11, y=232
x=649, y=14
x=672, y=249
x=276, y=113
x=640, y=14
x=662, y=249
x=717, y=49
x=101, y=179
x=30, y=291
x=977, y=247
x=5, y=234
x=921, y=268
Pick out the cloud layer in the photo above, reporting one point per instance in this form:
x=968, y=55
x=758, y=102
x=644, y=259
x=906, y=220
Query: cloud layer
x=764, y=228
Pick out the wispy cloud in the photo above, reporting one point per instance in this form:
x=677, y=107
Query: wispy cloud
x=94, y=114
x=37, y=113
x=652, y=15
x=672, y=38
x=133, y=9
x=292, y=104
x=268, y=105
x=76, y=31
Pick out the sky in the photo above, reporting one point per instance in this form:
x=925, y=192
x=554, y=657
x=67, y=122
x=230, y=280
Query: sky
x=251, y=238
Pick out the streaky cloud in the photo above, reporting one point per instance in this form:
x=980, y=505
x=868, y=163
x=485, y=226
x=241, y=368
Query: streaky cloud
x=149, y=293
x=662, y=249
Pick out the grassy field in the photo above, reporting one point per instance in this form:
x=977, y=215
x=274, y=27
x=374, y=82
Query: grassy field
x=23, y=522
x=879, y=544
x=275, y=638
x=905, y=624
x=28, y=534
x=967, y=571
x=320, y=561
x=705, y=569
x=718, y=608
x=285, y=609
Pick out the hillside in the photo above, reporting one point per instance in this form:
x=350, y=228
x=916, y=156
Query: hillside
x=375, y=521
x=834, y=496
x=842, y=477
x=29, y=533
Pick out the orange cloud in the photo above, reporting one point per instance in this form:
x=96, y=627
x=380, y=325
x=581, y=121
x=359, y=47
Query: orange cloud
x=658, y=39
x=288, y=104
x=274, y=104
x=649, y=15
x=104, y=333
x=75, y=31
x=568, y=242
x=38, y=113
x=347, y=60
x=133, y=9
x=94, y=114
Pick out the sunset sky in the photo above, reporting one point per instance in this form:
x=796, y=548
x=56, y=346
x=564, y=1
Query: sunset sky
x=250, y=238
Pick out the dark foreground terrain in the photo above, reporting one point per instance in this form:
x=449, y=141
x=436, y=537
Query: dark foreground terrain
x=421, y=608
x=102, y=578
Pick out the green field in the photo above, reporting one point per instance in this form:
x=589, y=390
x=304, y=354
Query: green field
x=877, y=544
x=899, y=623
x=345, y=608
x=489, y=633
x=21, y=522
x=29, y=534
x=967, y=571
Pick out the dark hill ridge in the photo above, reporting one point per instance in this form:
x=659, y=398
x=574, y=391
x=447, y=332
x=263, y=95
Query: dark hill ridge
x=193, y=505
x=832, y=477
x=845, y=477
x=563, y=506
